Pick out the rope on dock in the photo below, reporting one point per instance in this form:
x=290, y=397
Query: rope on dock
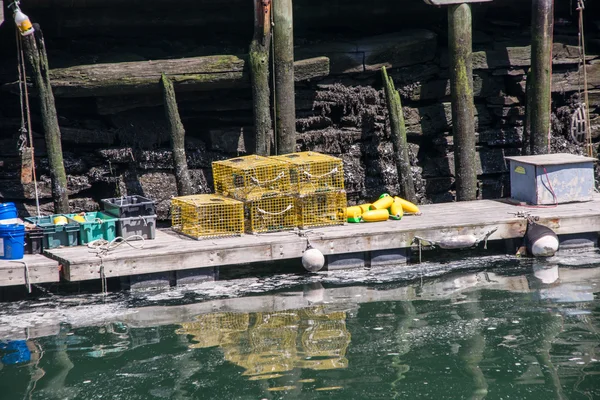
x=102, y=247
x=26, y=271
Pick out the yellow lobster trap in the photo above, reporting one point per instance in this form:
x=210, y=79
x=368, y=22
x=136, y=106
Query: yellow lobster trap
x=207, y=216
x=249, y=178
x=271, y=213
x=312, y=172
x=321, y=209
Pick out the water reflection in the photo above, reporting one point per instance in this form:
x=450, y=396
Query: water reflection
x=267, y=344
x=528, y=332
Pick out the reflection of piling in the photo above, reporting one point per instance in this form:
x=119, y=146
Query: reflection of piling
x=472, y=352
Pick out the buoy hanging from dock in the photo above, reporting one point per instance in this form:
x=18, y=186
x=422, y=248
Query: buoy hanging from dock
x=540, y=240
x=312, y=259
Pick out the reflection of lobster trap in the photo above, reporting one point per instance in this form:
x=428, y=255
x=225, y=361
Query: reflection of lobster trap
x=269, y=346
x=209, y=329
x=207, y=216
x=312, y=172
x=249, y=178
x=321, y=209
x=262, y=363
x=271, y=214
x=324, y=344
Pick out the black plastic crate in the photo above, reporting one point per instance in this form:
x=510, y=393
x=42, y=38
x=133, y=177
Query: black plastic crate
x=34, y=241
x=144, y=226
x=129, y=206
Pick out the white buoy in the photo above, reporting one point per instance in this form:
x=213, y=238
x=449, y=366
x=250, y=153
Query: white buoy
x=545, y=246
x=312, y=259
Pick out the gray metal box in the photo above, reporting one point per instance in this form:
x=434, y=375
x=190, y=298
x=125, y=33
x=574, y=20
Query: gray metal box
x=551, y=178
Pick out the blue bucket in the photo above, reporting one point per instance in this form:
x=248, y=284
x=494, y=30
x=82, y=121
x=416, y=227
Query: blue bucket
x=8, y=211
x=12, y=241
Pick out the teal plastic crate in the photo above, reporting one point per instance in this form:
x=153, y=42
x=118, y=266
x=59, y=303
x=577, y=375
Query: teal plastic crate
x=97, y=226
x=56, y=235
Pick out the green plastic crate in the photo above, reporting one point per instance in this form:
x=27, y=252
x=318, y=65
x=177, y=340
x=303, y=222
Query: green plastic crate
x=56, y=235
x=97, y=226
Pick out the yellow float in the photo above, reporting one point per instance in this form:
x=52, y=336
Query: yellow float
x=79, y=218
x=407, y=206
x=376, y=215
x=365, y=207
x=396, y=211
x=353, y=214
x=383, y=203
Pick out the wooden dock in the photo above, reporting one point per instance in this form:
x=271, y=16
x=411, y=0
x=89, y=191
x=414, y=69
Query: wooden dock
x=438, y=222
x=32, y=269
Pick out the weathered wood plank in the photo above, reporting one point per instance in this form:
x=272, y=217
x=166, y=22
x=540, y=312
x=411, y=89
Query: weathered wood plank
x=143, y=77
x=437, y=222
x=41, y=270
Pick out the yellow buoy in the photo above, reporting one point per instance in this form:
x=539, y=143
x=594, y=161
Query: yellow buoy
x=365, y=207
x=407, y=206
x=353, y=214
x=60, y=220
x=396, y=211
x=376, y=216
x=79, y=218
x=383, y=203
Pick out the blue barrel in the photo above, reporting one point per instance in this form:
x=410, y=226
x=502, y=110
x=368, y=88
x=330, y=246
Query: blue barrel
x=8, y=211
x=12, y=241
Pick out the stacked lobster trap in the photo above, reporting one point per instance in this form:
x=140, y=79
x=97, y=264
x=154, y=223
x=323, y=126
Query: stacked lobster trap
x=263, y=184
x=258, y=194
x=317, y=182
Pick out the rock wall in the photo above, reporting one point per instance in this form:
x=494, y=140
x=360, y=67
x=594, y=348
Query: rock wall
x=119, y=145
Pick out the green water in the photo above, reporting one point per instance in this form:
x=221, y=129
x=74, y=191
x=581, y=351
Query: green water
x=516, y=333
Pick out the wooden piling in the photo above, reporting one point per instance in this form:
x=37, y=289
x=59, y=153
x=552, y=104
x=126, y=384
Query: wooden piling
x=285, y=104
x=177, y=134
x=463, y=107
x=35, y=51
x=539, y=97
x=259, y=76
x=398, y=135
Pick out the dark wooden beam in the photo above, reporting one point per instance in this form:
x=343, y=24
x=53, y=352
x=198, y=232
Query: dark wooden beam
x=398, y=135
x=259, y=76
x=285, y=105
x=177, y=135
x=463, y=107
x=35, y=51
x=540, y=95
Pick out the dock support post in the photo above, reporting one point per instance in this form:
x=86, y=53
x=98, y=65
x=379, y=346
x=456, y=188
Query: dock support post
x=540, y=96
x=460, y=39
x=177, y=134
x=398, y=135
x=285, y=102
x=259, y=75
x=35, y=51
